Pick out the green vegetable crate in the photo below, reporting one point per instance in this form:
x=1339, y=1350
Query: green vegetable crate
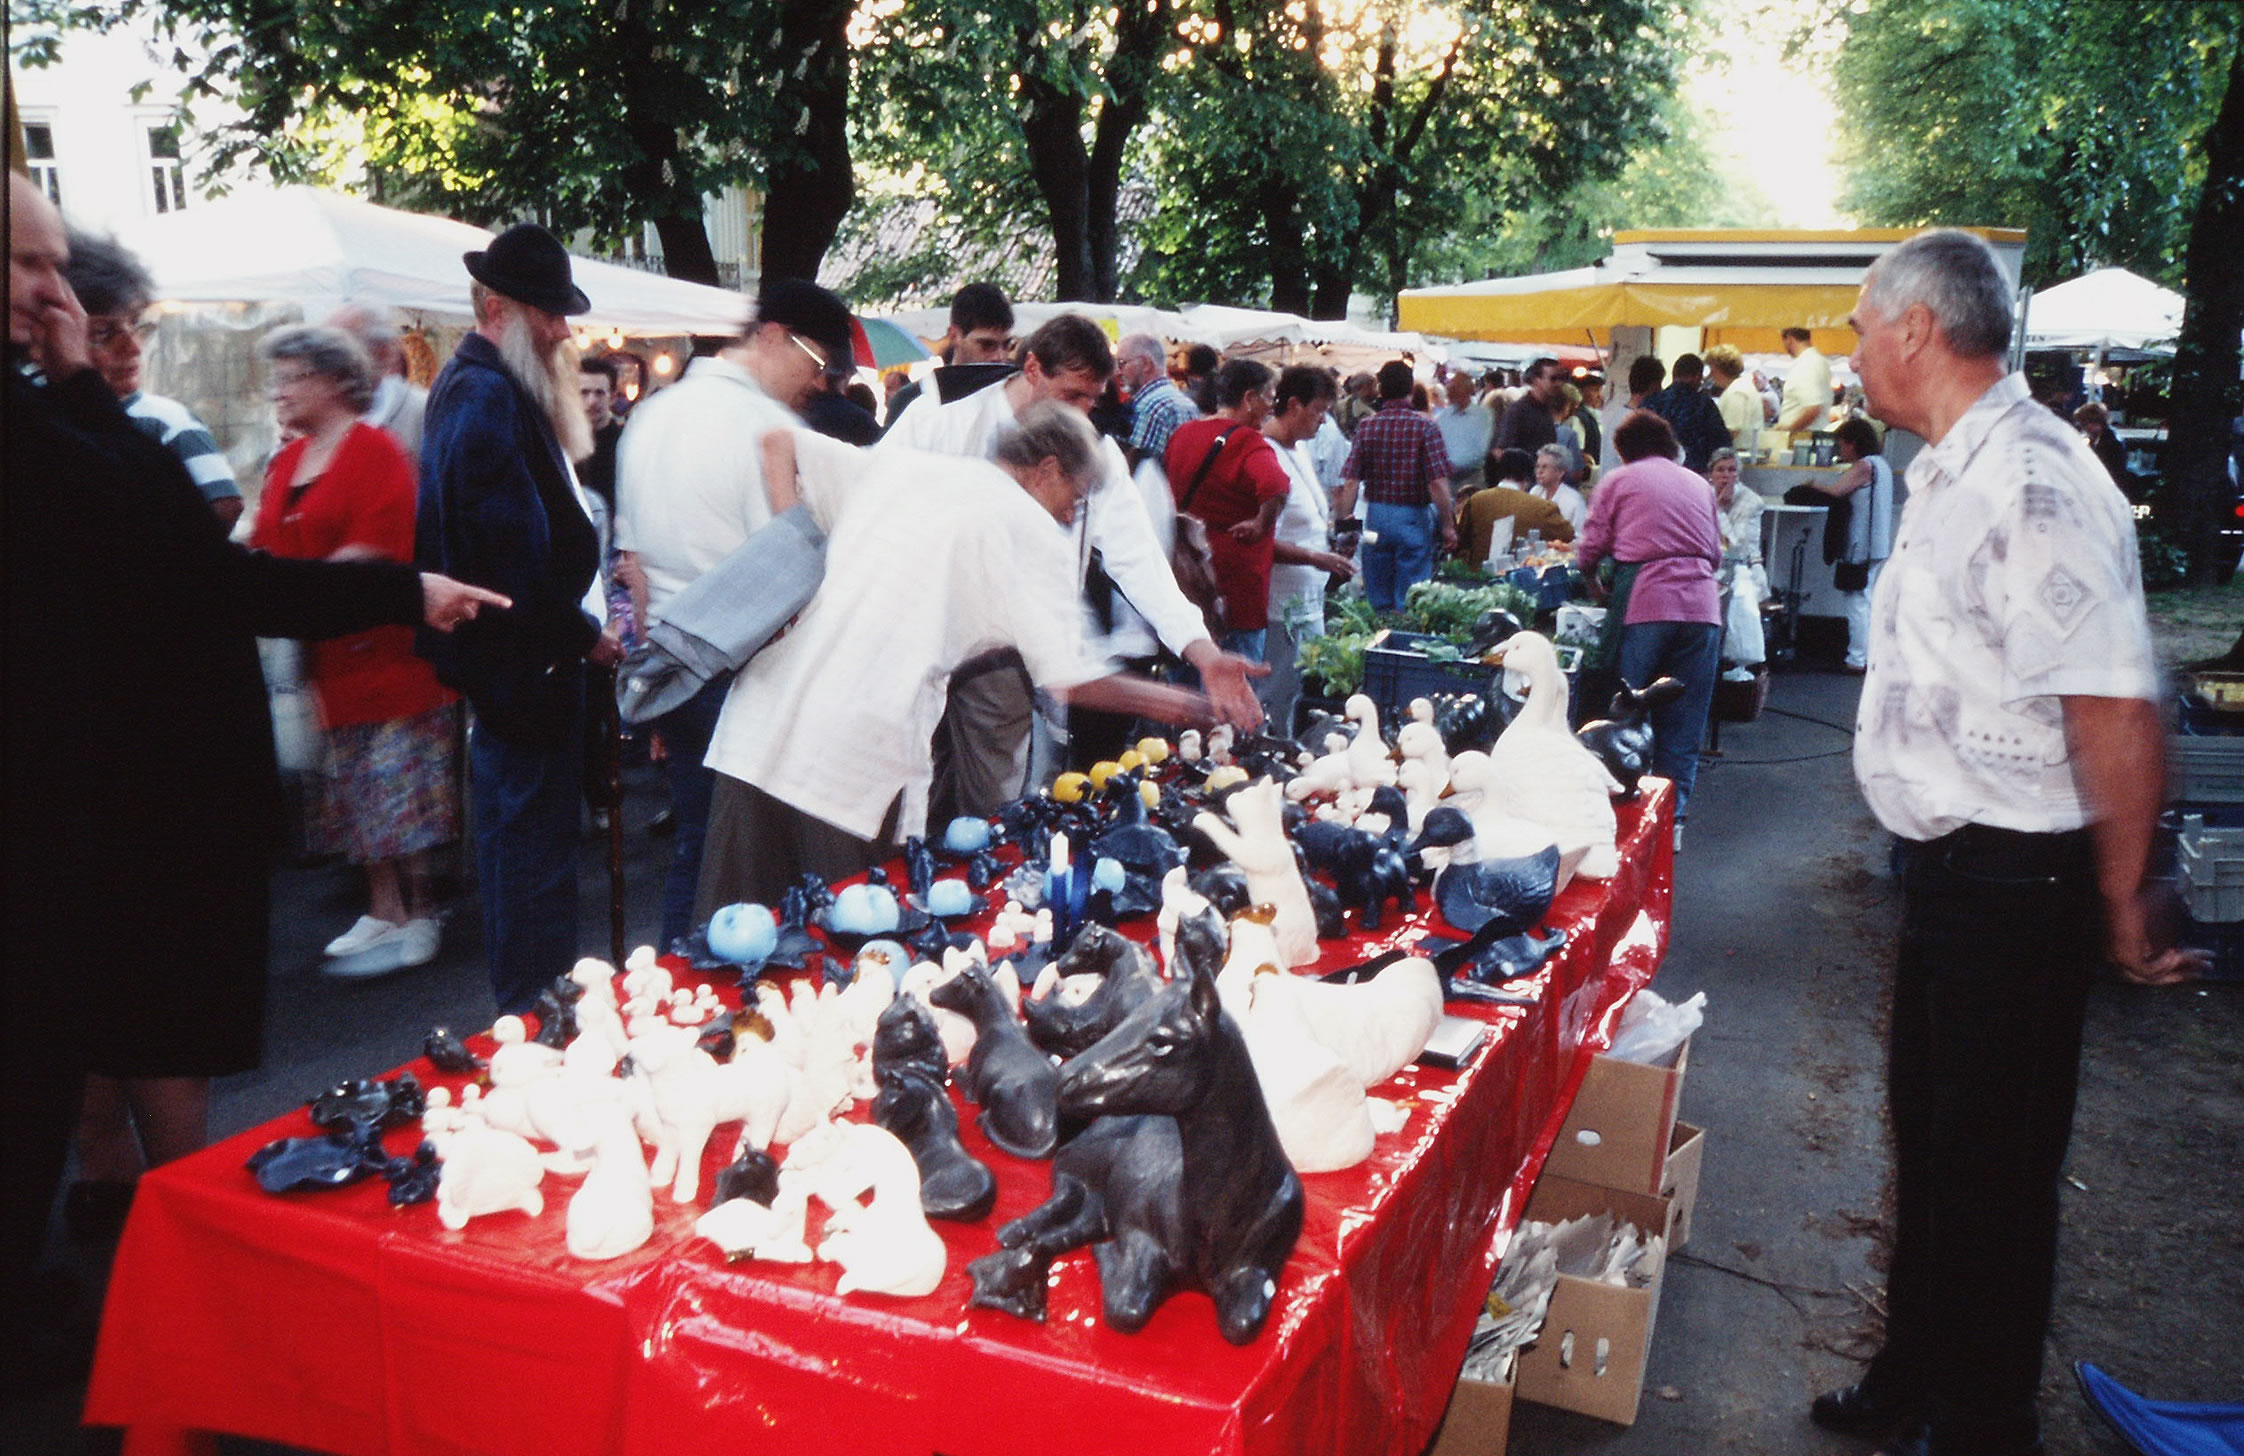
x=1399, y=666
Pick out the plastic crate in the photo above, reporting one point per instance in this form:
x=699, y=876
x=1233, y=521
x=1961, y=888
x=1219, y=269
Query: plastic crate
x=1396, y=669
x=2211, y=862
x=2194, y=718
x=2225, y=941
x=1552, y=587
x=2205, y=770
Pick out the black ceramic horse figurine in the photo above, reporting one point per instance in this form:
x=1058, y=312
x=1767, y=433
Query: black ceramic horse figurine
x=1014, y=1084
x=953, y=1183
x=1127, y=976
x=1180, y=1179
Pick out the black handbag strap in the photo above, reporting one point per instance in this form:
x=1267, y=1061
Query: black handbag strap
x=1200, y=476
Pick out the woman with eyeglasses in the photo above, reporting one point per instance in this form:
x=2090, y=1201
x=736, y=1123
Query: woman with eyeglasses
x=116, y=293
x=341, y=490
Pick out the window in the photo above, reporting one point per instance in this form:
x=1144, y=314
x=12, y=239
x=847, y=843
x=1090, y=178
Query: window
x=39, y=151
x=165, y=175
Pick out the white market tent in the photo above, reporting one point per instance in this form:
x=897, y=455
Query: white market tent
x=319, y=250
x=2104, y=310
x=1247, y=331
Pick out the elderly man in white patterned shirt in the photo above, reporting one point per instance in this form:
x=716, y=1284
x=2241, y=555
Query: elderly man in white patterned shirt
x=2009, y=734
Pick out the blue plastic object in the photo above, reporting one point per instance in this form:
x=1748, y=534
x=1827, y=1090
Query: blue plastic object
x=2162, y=1427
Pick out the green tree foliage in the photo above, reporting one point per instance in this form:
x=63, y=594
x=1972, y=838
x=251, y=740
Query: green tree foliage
x=2077, y=122
x=598, y=114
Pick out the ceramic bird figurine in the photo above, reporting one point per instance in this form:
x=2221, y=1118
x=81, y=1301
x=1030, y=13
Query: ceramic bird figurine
x=1316, y=1103
x=1623, y=742
x=1540, y=772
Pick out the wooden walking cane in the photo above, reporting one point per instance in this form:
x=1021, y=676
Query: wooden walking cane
x=614, y=786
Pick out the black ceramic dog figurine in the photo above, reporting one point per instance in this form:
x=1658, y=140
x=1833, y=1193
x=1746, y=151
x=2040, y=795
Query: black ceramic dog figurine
x=1014, y=1084
x=1180, y=1179
x=953, y=1183
x=1368, y=869
x=1623, y=742
x=1127, y=975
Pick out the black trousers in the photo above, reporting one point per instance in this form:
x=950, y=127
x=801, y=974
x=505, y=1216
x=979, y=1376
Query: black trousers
x=2001, y=932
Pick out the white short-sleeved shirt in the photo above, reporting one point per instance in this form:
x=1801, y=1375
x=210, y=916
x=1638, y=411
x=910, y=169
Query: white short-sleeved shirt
x=1807, y=382
x=1306, y=522
x=2013, y=582
x=931, y=561
x=1116, y=521
x=690, y=474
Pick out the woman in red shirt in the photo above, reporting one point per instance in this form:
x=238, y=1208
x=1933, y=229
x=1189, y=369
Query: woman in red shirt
x=1224, y=470
x=342, y=490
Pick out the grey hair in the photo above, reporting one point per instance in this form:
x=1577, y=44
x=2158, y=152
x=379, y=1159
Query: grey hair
x=107, y=276
x=1725, y=453
x=1049, y=430
x=1957, y=279
x=1142, y=346
x=1560, y=453
x=329, y=353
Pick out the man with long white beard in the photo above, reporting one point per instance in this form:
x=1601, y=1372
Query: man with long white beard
x=500, y=506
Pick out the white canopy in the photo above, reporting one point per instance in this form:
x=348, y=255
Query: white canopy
x=320, y=250
x=1197, y=323
x=2109, y=308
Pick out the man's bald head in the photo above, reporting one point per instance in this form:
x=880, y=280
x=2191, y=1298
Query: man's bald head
x=37, y=250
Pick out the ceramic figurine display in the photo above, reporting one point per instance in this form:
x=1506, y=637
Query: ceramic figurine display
x=1540, y=771
x=447, y=1053
x=1013, y=1083
x=613, y=1212
x=883, y=1243
x=744, y=934
x=1368, y=869
x=745, y=1228
x=1251, y=951
x=752, y=1174
x=1623, y=742
x=1260, y=848
x=953, y=1183
x=689, y=1094
x=956, y=1032
x=518, y=1059
x=332, y=1160
x=1179, y=1180
x=1498, y=833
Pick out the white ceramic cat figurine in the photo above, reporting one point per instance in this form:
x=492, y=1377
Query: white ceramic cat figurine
x=613, y=1213
x=884, y=1246
x=1261, y=849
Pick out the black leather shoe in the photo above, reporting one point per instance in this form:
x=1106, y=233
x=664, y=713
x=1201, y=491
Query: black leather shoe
x=1858, y=1410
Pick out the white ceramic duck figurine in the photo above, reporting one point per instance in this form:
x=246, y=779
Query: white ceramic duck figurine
x=1420, y=743
x=1326, y=775
x=1368, y=764
x=1539, y=771
x=486, y=1170
x=1261, y=849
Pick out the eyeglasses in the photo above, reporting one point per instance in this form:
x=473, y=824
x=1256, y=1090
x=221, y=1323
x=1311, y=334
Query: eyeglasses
x=101, y=333
x=815, y=356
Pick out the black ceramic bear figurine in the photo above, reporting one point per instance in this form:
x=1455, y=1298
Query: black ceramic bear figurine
x=1179, y=1180
x=1127, y=977
x=1623, y=742
x=1014, y=1084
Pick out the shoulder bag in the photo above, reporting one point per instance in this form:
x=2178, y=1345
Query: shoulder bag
x=1191, y=557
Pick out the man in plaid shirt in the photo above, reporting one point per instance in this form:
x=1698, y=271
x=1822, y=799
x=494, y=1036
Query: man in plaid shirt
x=1159, y=406
x=1399, y=460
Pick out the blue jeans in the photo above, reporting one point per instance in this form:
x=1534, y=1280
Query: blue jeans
x=1250, y=645
x=1691, y=652
x=1403, y=555
x=526, y=805
x=686, y=730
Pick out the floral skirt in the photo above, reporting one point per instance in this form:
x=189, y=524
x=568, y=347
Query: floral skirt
x=391, y=787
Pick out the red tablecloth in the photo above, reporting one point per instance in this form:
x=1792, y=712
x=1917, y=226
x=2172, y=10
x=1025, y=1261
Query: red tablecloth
x=331, y=1320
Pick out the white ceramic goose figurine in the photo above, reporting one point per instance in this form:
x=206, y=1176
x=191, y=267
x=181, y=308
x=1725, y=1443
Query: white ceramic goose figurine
x=1375, y=1027
x=1539, y=771
x=1368, y=764
x=1419, y=742
x=1316, y=1104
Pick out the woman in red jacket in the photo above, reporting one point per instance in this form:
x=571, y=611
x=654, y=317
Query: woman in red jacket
x=341, y=490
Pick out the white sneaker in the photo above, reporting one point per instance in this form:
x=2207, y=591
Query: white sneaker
x=360, y=936
x=420, y=938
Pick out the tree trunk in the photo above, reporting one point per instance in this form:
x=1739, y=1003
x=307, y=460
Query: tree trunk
x=659, y=177
x=811, y=186
x=1140, y=33
x=1052, y=124
x=2205, y=357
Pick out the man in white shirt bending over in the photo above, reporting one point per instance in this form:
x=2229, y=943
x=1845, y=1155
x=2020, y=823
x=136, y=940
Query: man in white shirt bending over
x=981, y=750
x=1807, y=385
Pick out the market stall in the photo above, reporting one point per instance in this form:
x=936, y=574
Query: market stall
x=335, y=1321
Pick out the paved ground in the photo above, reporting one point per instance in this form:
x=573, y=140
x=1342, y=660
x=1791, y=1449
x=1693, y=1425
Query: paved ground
x=1784, y=918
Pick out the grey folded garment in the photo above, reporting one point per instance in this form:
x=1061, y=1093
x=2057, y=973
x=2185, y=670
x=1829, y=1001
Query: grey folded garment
x=724, y=617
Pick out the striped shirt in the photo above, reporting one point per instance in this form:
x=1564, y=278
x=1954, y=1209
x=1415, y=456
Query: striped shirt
x=170, y=424
x=1397, y=454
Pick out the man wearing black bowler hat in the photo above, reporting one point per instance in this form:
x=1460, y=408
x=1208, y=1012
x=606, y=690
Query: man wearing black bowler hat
x=500, y=506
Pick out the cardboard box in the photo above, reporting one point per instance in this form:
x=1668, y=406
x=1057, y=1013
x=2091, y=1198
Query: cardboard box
x=1618, y=1130
x=1479, y=1420
x=1591, y=1355
x=1680, y=1184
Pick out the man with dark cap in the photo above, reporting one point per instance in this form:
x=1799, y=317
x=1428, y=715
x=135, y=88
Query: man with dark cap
x=689, y=489
x=500, y=506
x=1695, y=417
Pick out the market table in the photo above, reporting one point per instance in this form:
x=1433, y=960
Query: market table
x=334, y=1321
